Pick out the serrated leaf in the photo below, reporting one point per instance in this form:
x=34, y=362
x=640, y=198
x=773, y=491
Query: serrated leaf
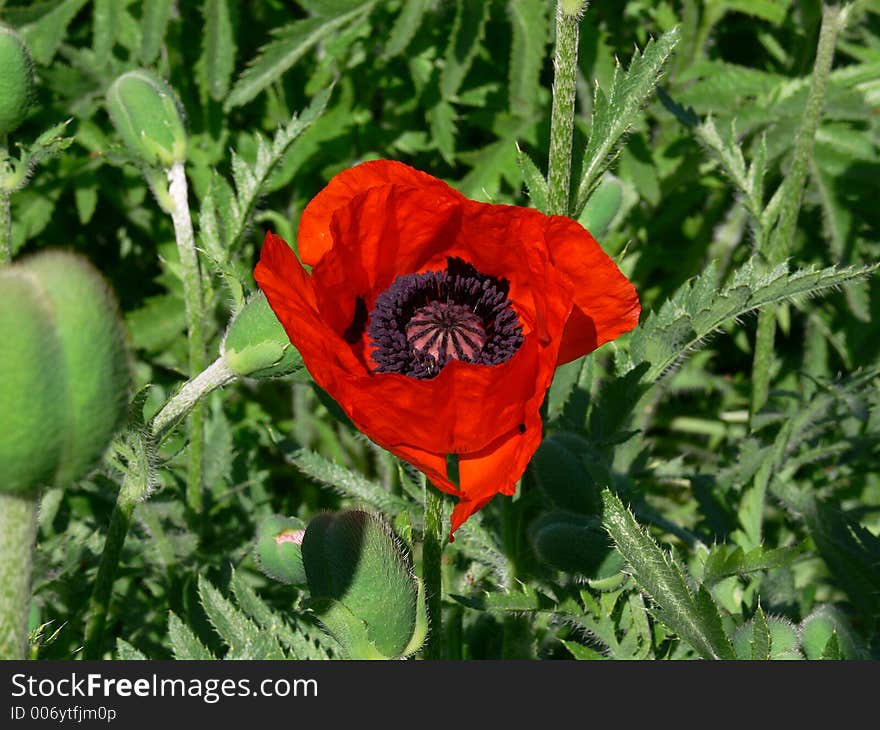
x=105, y=21
x=347, y=482
x=184, y=644
x=616, y=111
x=697, y=309
x=226, y=213
x=154, y=23
x=408, y=21
x=464, y=42
x=529, y=20
x=244, y=637
x=535, y=182
x=302, y=645
x=46, y=35
x=291, y=43
x=694, y=618
x=217, y=61
x=127, y=653
x=760, y=636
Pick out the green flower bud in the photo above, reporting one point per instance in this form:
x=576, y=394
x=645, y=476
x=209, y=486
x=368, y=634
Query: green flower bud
x=148, y=116
x=571, y=543
x=561, y=474
x=278, y=551
x=363, y=589
x=783, y=640
x=63, y=370
x=16, y=80
x=256, y=344
x=818, y=628
x=32, y=385
x=602, y=207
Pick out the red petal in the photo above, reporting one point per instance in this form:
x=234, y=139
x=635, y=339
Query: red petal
x=606, y=303
x=314, y=236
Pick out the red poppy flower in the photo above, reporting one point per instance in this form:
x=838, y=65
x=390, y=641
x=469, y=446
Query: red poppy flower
x=436, y=322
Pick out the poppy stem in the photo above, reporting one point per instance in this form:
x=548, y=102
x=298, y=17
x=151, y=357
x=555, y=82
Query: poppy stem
x=5, y=208
x=562, y=115
x=175, y=409
x=18, y=532
x=780, y=242
x=432, y=550
x=192, y=294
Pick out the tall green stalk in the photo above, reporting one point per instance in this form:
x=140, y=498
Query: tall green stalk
x=562, y=114
x=18, y=533
x=780, y=243
x=184, y=401
x=192, y=292
x=5, y=208
x=779, y=246
x=432, y=550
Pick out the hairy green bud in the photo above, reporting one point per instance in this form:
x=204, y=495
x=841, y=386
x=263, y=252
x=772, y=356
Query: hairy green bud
x=32, y=386
x=256, y=345
x=571, y=543
x=16, y=80
x=279, y=549
x=64, y=376
x=562, y=476
x=362, y=585
x=148, y=117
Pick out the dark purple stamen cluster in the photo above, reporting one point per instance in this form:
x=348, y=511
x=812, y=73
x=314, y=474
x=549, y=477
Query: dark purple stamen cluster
x=423, y=321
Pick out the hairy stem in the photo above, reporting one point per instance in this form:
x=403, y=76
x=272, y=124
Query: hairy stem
x=18, y=533
x=432, y=549
x=216, y=375
x=102, y=590
x=780, y=243
x=5, y=212
x=562, y=115
x=176, y=409
x=192, y=293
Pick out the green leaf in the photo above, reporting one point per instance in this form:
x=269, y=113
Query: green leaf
x=291, y=43
x=304, y=645
x=760, y=636
x=695, y=619
x=105, y=18
x=530, y=21
x=464, y=42
x=725, y=560
x=45, y=35
x=184, y=644
x=536, y=183
x=773, y=11
x=347, y=482
x=154, y=23
x=226, y=214
x=698, y=308
x=127, y=653
x=406, y=25
x=614, y=113
x=217, y=62
x=244, y=637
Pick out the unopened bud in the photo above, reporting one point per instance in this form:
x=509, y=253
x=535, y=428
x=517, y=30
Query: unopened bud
x=148, y=117
x=561, y=474
x=362, y=584
x=16, y=80
x=256, y=345
x=279, y=549
x=63, y=370
x=571, y=543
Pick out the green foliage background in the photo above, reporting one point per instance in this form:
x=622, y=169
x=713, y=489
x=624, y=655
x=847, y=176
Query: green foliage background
x=755, y=539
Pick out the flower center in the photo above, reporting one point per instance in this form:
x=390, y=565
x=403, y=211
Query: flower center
x=439, y=329
x=424, y=321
